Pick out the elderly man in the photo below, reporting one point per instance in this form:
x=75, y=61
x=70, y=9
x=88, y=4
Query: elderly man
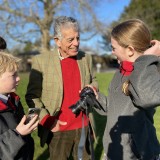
x=56, y=79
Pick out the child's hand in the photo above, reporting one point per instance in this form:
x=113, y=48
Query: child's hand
x=155, y=49
x=24, y=129
x=94, y=90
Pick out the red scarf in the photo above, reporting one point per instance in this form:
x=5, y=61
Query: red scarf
x=126, y=68
x=12, y=102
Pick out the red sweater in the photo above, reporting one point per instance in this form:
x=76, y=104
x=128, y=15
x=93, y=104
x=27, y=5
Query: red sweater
x=72, y=86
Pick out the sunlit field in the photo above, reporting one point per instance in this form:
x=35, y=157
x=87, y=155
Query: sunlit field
x=103, y=80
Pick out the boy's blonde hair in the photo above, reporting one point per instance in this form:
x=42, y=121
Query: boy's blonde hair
x=8, y=62
x=132, y=32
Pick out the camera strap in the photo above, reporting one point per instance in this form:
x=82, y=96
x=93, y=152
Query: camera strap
x=83, y=139
x=91, y=143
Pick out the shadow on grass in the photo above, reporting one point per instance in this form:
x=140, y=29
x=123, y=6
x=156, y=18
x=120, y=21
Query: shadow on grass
x=44, y=155
x=100, y=125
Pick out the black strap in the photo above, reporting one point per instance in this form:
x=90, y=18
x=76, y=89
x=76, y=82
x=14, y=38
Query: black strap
x=91, y=143
x=82, y=141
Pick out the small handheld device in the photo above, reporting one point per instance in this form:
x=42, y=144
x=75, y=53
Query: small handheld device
x=31, y=113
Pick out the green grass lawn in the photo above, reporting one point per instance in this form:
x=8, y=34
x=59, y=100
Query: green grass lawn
x=103, y=80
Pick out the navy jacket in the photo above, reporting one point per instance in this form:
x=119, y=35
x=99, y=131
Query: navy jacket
x=12, y=145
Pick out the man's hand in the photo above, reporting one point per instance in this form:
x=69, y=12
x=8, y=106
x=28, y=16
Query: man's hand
x=56, y=126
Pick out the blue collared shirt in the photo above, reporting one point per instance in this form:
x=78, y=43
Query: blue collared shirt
x=4, y=98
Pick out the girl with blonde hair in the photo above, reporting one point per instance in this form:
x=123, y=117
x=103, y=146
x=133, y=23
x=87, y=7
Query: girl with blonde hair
x=134, y=93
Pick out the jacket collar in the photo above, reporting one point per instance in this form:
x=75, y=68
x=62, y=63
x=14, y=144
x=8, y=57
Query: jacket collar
x=14, y=99
x=3, y=102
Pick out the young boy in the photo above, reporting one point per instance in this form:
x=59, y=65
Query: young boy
x=15, y=140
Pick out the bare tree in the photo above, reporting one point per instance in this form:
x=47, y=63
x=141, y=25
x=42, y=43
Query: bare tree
x=31, y=20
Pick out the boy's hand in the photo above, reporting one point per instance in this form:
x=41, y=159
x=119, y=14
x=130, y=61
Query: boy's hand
x=24, y=129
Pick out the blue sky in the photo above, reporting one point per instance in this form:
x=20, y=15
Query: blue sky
x=107, y=12
x=111, y=10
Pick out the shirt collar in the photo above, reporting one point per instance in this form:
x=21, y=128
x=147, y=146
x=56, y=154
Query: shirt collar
x=4, y=98
x=60, y=57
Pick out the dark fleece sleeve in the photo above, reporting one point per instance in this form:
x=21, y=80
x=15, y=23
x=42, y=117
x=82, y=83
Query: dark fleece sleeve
x=10, y=144
x=145, y=82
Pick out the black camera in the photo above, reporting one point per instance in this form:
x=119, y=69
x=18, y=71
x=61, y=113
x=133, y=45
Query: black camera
x=87, y=101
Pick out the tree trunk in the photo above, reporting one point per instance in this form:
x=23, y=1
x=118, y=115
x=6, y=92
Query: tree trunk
x=45, y=39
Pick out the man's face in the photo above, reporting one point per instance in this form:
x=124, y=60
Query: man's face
x=8, y=82
x=69, y=43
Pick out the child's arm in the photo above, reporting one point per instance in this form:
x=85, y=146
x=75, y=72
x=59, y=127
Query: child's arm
x=10, y=144
x=145, y=82
x=12, y=141
x=25, y=129
x=102, y=99
x=155, y=49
